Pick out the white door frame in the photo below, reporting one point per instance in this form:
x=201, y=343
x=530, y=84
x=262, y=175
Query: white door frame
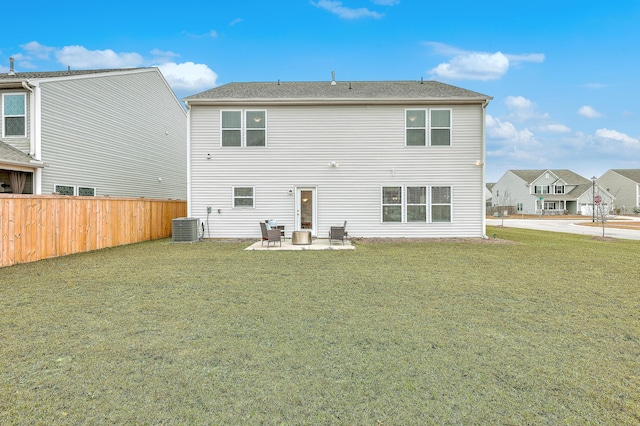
x=311, y=197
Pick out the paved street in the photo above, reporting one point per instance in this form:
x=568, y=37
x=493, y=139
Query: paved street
x=570, y=226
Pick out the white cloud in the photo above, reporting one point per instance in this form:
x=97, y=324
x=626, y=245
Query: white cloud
x=554, y=128
x=500, y=130
x=80, y=57
x=470, y=65
x=473, y=66
x=188, y=76
x=587, y=111
x=235, y=21
x=386, y=2
x=614, y=135
x=36, y=49
x=344, y=12
x=518, y=102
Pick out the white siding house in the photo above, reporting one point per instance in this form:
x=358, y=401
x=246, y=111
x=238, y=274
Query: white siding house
x=549, y=192
x=100, y=132
x=393, y=159
x=624, y=184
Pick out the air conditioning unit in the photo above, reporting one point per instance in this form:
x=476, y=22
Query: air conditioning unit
x=185, y=229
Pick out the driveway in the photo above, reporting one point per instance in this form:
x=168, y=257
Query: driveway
x=569, y=226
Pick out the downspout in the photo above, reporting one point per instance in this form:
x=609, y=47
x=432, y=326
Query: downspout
x=189, y=199
x=35, y=146
x=484, y=167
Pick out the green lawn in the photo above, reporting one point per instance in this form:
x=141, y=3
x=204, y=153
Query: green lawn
x=542, y=331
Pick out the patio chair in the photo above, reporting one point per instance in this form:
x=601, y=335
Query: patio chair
x=270, y=235
x=338, y=233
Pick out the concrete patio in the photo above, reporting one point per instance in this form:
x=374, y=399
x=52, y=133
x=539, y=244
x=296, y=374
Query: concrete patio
x=316, y=244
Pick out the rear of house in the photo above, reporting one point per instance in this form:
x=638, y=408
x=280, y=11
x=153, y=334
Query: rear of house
x=392, y=159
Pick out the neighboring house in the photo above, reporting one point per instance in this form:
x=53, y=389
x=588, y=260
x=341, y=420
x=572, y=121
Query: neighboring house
x=393, y=159
x=624, y=184
x=549, y=192
x=100, y=132
x=488, y=193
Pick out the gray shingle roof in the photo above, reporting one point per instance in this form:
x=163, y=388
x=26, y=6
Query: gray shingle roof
x=13, y=155
x=356, y=90
x=633, y=174
x=569, y=177
x=19, y=76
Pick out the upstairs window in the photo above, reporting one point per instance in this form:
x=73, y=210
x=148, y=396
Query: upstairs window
x=243, y=128
x=440, y=127
x=558, y=189
x=14, y=116
x=434, y=131
x=541, y=189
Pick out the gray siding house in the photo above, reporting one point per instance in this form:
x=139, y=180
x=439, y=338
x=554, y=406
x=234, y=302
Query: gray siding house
x=624, y=184
x=115, y=132
x=549, y=192
x=392, y=158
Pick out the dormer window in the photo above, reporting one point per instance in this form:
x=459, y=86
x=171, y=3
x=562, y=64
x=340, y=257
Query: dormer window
x=558, y=189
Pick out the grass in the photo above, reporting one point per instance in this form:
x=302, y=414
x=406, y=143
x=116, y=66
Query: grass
x=544, y=331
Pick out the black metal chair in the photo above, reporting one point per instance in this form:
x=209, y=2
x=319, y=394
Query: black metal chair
x=270, y=235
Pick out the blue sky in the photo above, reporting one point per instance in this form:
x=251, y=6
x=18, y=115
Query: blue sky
x=564, y=74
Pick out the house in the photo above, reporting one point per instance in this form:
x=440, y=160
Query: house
x=118, y=132
x=549, y=192
x=624, y=184
x=392, y=158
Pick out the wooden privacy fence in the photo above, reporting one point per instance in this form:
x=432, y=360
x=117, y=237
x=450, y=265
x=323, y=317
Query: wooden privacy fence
x=34, y=227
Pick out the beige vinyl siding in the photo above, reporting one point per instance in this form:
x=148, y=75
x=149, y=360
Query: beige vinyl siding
x=119, y=133
x=367, y=142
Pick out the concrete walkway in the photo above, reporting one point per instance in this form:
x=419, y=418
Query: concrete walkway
x=316, y=244
x=570, y=226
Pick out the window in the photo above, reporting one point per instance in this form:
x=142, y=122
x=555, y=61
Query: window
x=392, y=204
x=236, y=132
x=441, y=204
x=541, y=189
x=416, y=127
x=82, y=191
x=416, y=204
x=243, y=197
x=438, y=129
x=409, y=204
x=14, y=118
x=65, y=189
x=558, y=189
x=520, y=207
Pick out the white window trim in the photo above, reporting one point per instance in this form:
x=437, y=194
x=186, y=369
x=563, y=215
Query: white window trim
x=450, y=203
x=24, y=96
x=404, y=203
x=76, y=189
x=244, y=129
x=427, y=129
x=253, y=197
x=450, y=127
x=55, y=188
